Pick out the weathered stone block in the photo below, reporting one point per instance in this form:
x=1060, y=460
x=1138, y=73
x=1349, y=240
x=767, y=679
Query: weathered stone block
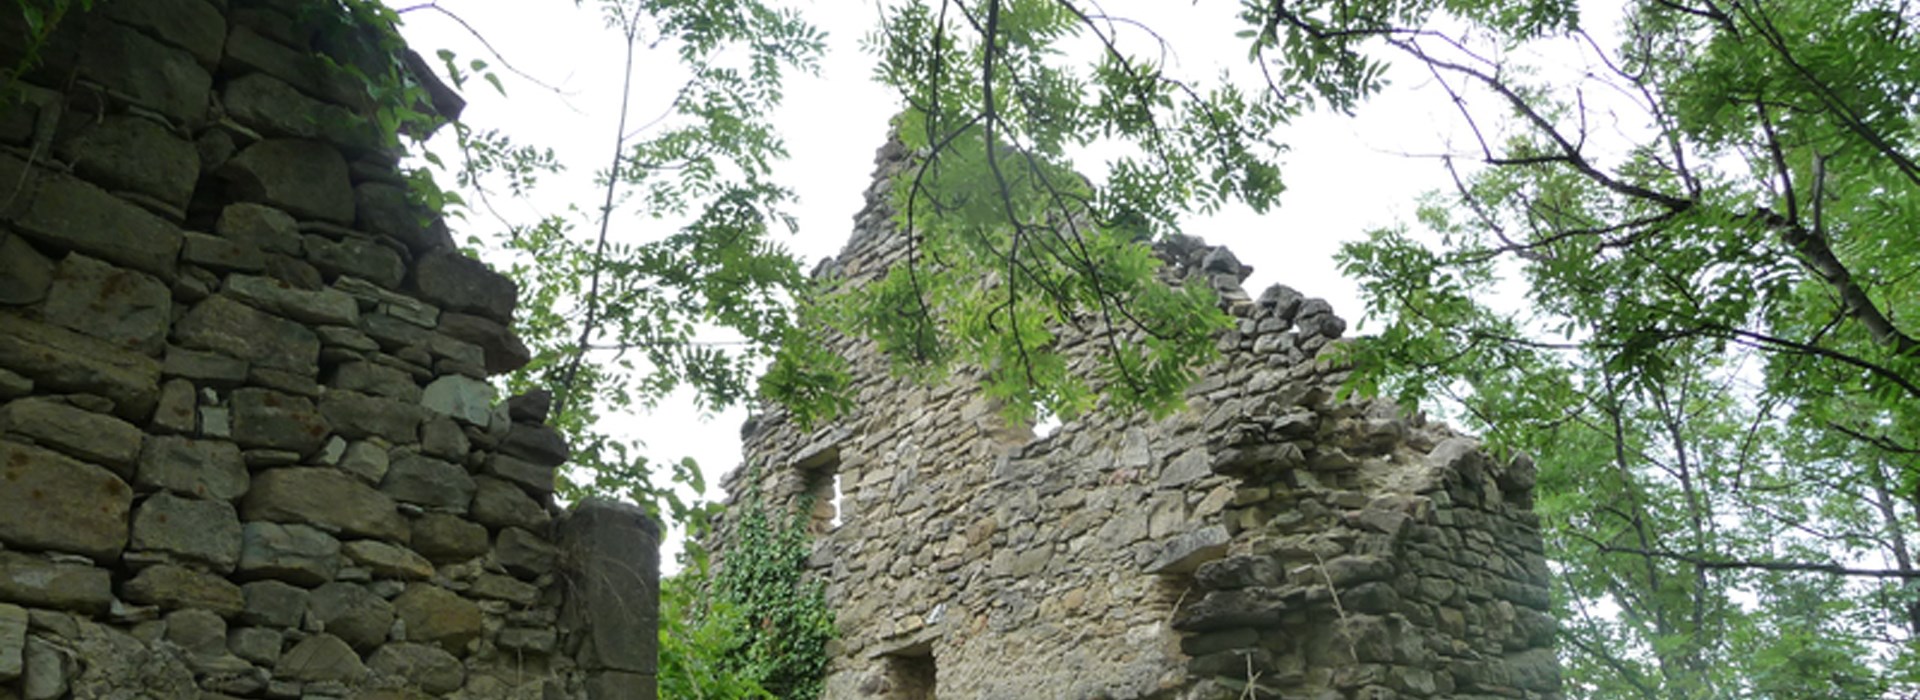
x=93, y=437
x=304, y=177
x=387, y=209
x=178, y=411
x=436, y=616
x=37, y=504
x=441, y=437
x=365, y=460
x=445, y=539
x=40, y=583
x=264, y=227
x=124, y=152
x=433, y=669
x=621, y=685
x=428, y=482
x=218, y=253
x=260, y=645
x=324, y=497
x=464, y=399
x=534, y=478
x=357, y=416
x=455, y=282
x=274, y=108
x=497, y=587
x=13, y=641
x=503, y=350
x=613, y=551
x=68, y=213
x=277, y=421
x=388, y=561
x=25, y=274
x=274, y=604
x=525, y=554
x=176, y=587
x=321, y=658
x=192, y=25
x=1187, y=551
x=146, y=72
x=317, y=306
x=352, y=613
x=224, y=325
x=120, y=306
x=248, y=51
x=61, y=360
x=539, y=444
x=199, y=468
x=499, y=504
x=1245, y=607
x=357, y=257
x=195, y=530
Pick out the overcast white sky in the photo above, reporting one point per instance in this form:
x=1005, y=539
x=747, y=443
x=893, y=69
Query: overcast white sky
x=1344, y=175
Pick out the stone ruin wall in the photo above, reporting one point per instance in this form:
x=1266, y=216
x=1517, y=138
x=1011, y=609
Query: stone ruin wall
x=1268, y=535
x=247, y=444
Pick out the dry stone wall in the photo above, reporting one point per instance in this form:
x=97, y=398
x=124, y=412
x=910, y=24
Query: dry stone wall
x=248, y=446
x=1270, y=541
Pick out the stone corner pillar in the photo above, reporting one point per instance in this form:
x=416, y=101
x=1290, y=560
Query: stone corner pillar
x=611, y=616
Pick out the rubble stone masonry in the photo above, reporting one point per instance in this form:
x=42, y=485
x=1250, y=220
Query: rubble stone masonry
x=1270, y=541
x=248, y=446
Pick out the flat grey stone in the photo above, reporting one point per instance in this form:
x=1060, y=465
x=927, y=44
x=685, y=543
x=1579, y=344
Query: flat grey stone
x=277, y=421
x=146, y=72
x=455, y=282
x=274, y=604
x=293, y=553
x=429, y=482
x=357, y=416
x=352, y=613
x=126, y=308
x=176, y=587
x=223, y=324
x=261, y=226
x=443, y=538
x=41, y=583
x=125, y=152
x=357, y=257
x=13, y=642
x=207, y=532
x=498, y=503
x=69, y=213
x=431, y=668
x=318, y=306
x=464, y=399
x=212, y=469
x=219, y=253
x=326, y=497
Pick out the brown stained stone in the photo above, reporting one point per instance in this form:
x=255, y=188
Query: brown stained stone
x=276, y=421
x=224, y=325
x=123, y=307
x=306, y=178
x=178, y=411
x=64, y=361
x=39, y=490
x=211, y=469
x=436, y=616
x=176, y=587
x=85, y=435
x=326, y=497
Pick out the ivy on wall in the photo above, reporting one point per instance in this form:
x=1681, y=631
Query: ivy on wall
x=787, y=623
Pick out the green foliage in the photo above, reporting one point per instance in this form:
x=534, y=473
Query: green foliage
x=1714, y=362
x=778, y=623
x=698, y=638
